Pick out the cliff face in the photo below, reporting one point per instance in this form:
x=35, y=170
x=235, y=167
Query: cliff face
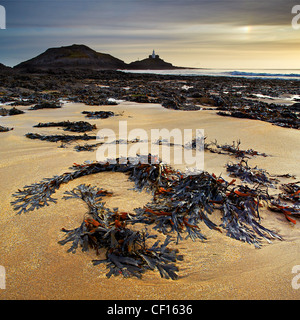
x=72, y=57
x=152, y=64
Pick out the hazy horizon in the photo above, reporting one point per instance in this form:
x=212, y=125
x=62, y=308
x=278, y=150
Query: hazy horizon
x=235, y=34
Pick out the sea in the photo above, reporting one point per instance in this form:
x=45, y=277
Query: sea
x=287, y=74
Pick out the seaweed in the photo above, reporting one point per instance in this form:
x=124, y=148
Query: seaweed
x=87, y=147
x=234, y=149
x=77, y=126
x=288, y=210
x=180, y=203
x=58, y=137
x=45, y=105
x=98, y=114
x=126, y=251
x=38, y=195
x=241, y=215
x=5, y=129
x=290, y=194
x=10, y=112
x=214, y=147
x=92, y=147
x=279, y=115
x=250, y=175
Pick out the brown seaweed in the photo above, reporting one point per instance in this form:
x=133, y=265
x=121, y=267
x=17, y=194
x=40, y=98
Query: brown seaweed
x=214, y=147
x=290, y=211
x=5, y=129
x=250, y=175
x=234, y=149
x=57, y=137
x=291, y=192
x=180, y=203
x=45, y=105
x=98, y=114
x=126, y=251
x=76, y=126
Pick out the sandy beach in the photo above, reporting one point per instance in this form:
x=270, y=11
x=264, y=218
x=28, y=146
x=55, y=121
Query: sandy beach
x=37, y=267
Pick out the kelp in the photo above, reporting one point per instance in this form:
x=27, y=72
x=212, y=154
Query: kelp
x=250, y=175
x=59, y=137
x=98, y=114
x=76, y=126
x=234, y=150
x=39, y=194
x=291, y=207
x=126, y=251
x=291, y=192
x=288, y=210
x=45, y=105
x=5, y=129
x=180, y=202
x=87, y=147
x=93, y=147
x=10, y=112
x=228, y=149
x=279, y=115
x=241, y=216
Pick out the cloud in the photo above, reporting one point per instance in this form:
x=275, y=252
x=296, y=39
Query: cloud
x=128, y=28
x=133, y=13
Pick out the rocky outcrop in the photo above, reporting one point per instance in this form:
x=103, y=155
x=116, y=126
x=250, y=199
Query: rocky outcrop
x=72, y=57
x=152, y=64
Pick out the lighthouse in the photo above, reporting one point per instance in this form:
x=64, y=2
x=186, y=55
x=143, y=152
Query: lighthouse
x=153, y=55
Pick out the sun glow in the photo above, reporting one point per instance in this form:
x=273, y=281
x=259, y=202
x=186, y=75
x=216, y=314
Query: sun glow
x=246, y=29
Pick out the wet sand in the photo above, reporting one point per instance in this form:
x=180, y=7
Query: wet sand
x=37, y=267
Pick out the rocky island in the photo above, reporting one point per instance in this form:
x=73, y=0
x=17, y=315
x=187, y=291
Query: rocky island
x=82, y=57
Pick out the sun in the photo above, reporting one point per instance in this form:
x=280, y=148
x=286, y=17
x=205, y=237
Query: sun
x=246, y=29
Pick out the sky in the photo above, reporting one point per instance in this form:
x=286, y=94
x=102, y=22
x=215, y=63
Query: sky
x=230, y=34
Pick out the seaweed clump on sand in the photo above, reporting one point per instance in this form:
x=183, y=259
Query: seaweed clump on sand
x=5, y=129
x=10, y=112
x=228, y=149
x=250, y=175
x=57, y=137
x=126, y=251
x=45, y=105
x=291, y=207
x=98, y=114
x=76, y=126
x=234, y=149
x=282, y=116
x=180, y=201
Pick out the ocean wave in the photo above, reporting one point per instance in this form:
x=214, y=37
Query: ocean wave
x=263, y=74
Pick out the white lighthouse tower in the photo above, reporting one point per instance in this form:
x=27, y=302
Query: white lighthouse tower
x=153, y=55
